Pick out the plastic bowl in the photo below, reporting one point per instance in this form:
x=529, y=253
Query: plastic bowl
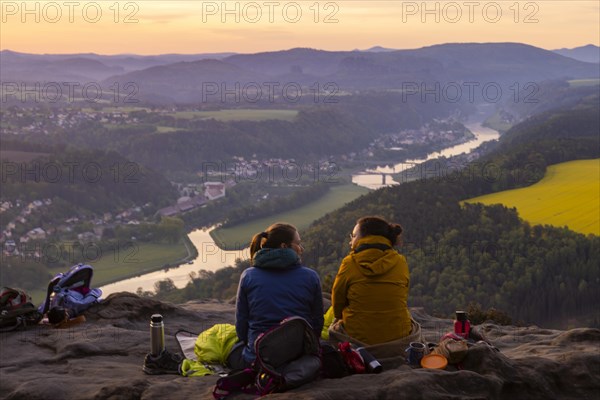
x=434, y=361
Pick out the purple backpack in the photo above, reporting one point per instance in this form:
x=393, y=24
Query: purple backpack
x=71, y=291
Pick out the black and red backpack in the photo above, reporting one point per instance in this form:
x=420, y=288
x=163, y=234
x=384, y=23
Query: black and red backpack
x=287, y=356
x=17, y=310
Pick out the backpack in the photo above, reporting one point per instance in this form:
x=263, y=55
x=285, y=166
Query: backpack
x=352, y=358
x=71, y=291
x=16, y=310
x=333, y=364
x=287, y=356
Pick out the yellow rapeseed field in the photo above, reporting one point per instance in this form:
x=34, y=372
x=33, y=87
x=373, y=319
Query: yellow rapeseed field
x=568, y=195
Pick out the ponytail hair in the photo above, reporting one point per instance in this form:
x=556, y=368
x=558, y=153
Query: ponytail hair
x=378, y=226
x=275, y=235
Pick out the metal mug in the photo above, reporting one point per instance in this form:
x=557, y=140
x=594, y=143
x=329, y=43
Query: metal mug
x=414, y=353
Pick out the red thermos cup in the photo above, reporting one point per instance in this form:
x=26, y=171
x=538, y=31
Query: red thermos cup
x=462, y=326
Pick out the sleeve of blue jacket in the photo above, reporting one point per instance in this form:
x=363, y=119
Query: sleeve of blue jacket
x=241, y=311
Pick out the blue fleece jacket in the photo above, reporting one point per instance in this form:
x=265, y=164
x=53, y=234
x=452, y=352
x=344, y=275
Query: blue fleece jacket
x=277, y=286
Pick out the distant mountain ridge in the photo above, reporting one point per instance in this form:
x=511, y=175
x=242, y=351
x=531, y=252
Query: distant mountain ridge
x=377, y=49
x=587, y=53
x=176, y=78
x=482, y=63
x=13, y=64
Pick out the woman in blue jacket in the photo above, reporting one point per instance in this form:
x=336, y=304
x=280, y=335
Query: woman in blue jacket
x=275, y=287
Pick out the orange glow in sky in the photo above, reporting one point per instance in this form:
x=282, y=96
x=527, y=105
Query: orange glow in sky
x=158, y=27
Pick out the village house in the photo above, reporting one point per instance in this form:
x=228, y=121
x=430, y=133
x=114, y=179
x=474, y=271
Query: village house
x=10, y=246
x=37, y=234
x=5, y=206
x=184, y=204
x=87, y=237
x=168, y=211
x=214, y=190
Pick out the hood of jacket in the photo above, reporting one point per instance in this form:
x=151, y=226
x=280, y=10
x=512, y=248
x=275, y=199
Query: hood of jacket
x=280, y=258
x=373, y=261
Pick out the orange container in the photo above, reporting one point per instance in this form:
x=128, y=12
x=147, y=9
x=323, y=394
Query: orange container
x=434, y=361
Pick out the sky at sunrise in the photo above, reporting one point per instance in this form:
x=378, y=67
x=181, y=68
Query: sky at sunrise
x=158, y=27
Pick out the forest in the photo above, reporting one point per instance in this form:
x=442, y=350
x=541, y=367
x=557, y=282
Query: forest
x=94, y=180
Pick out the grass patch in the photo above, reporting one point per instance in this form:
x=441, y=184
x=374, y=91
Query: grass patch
x=239, y=236
x=124, y=109
x=20, y=156
x=239, y=115
x=584, y=82
x=166, y=129
x=568, y=195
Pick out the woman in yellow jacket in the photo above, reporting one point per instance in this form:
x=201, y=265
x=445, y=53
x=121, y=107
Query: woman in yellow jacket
x=370, y=290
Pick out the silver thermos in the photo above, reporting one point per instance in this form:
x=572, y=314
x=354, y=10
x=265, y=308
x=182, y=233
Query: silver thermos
x=157, y=334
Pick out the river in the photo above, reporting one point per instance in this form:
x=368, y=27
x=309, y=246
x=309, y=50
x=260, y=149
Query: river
x=212, y=258
x=372, y=178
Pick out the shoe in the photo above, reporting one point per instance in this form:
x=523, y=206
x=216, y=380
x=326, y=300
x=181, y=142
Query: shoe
x=165, y=363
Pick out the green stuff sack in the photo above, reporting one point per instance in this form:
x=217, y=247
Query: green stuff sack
x=194, y=368
x=328, y=320
x=214, y=344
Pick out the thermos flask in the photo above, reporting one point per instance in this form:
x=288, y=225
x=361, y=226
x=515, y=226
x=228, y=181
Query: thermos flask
x=462, y=326
x=371, y=362
x=157, y=335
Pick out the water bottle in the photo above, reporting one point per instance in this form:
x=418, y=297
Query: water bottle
x=157, y=335
x=462, y=326
x=371, y=362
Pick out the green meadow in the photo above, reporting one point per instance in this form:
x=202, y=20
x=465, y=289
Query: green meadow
x=568, y=195
x=240, y=235
x=166, y=129
x=239, y=115
x=129, y=259
x=584, y=82
x=19, y=156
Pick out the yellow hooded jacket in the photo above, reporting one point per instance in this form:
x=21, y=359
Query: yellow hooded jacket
x=370, y=293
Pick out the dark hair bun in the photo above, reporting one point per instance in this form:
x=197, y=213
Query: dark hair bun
x=396, y=229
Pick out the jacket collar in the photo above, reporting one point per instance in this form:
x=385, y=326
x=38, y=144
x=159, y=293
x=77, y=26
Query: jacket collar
x=280, y=258
x=372, y=239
